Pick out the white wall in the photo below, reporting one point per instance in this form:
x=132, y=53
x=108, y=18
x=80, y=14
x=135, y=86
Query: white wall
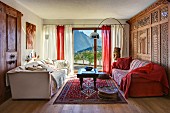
x=30, y=17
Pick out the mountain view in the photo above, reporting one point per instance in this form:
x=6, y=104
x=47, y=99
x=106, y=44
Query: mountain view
x=83, y=42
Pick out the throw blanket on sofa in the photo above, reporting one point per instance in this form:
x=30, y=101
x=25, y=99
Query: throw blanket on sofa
x=151, y=71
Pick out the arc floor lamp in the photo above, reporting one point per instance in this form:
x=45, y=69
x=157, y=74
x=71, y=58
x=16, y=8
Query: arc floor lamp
x=95, y=36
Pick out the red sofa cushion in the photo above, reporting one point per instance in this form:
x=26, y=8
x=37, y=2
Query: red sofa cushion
x=123, y=63
x=114, y=65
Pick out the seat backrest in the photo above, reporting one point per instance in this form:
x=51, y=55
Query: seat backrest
x=136, y=63
x=61, y=64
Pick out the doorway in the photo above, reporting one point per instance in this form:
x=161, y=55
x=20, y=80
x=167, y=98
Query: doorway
x=84, y=49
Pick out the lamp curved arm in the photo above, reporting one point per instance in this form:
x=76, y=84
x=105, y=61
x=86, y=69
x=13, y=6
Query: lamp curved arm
x=110, y=18
x=95, y=35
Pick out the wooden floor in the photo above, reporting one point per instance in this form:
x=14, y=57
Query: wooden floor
x=135, y=105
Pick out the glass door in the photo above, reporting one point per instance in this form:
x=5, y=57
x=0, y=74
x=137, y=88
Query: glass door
x=84, y=49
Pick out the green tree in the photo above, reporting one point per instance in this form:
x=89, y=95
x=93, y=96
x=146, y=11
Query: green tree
x=82, y=56
x=89, y=56
x=79, y=56
x=76, y=57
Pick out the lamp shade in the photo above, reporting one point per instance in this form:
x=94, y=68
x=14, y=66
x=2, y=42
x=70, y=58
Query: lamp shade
x=94, y=35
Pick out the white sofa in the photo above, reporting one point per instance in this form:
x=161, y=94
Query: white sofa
x=34, y=84
x=57, y=64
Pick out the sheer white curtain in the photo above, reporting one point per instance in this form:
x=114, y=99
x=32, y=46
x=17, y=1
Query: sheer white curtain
x=68, y=47
x=117, y=38
x=49, y=40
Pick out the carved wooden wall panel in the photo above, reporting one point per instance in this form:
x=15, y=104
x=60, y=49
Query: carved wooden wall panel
x=135, y=44
x=142, y=42
x=152, y=27
x=154, y=16
x=164, y=13
x=138, y=42
x=148, y=42
x=10, y=47
x=147, y=25
x=164, y=44
x=155, y=45
x=143, y=57
x=143, y=22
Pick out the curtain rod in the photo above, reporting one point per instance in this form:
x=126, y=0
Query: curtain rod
x=84, y=24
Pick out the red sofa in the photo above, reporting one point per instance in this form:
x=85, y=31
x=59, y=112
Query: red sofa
x=141, y=87
x=142, y=79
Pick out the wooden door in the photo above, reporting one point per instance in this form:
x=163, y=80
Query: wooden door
x=2, y=45
x=10, y=45
x=11, y=39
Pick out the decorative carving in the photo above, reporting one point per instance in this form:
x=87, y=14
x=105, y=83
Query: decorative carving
x=156, y=4
x=164, y=13
x=135, y=44
x=144, y=57
x=155, y=44
x=138, y=40
x=116, y=53
x=134, y=26
x=154, y=17
x=164, y=44
x=143, y=41
x=143, y=22
x=147, y=20
x=148, y=42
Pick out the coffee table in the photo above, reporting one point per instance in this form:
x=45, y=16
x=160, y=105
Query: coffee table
x=82, y=73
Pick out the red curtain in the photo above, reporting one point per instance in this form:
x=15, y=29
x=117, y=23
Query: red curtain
x=60, y=42
x=106, y=48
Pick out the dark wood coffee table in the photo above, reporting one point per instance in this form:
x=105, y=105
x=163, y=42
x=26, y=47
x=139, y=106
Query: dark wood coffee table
x=82, y=73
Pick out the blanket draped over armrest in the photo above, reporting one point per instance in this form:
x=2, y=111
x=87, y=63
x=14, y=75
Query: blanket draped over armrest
x=151, y=71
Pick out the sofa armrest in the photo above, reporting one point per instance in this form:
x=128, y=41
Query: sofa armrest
x=30, y=85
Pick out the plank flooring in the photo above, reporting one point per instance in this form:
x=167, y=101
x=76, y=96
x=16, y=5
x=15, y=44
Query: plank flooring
x=135, y=105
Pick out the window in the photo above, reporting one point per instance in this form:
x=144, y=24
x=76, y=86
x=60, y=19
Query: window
x=84, y=49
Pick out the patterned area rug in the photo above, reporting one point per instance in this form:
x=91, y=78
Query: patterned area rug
x=71, y=93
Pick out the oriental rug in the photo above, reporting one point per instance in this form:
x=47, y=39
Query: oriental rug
x=71, y=93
